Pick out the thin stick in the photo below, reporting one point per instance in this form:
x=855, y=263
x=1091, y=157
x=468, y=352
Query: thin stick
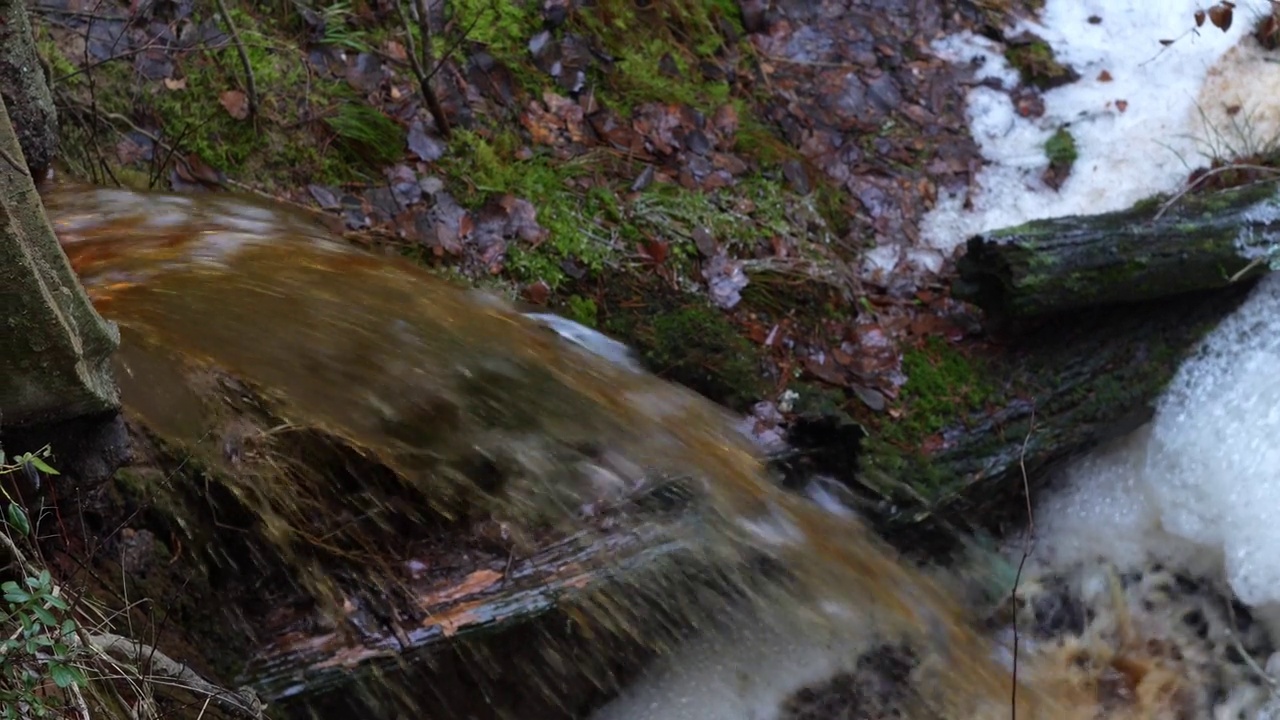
x=1198, y=181
x=419, y=64
x=1022, y=562
x=251, y=86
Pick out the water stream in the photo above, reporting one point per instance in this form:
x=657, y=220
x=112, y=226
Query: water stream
x=428, y=376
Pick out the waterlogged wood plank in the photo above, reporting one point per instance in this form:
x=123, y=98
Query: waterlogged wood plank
x=486, y=598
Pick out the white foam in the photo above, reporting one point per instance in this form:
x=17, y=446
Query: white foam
x=747, y=672
x=1213, y=465
x=1162, y=112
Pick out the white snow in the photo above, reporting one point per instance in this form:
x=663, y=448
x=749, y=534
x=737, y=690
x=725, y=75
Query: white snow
x=1162, y=112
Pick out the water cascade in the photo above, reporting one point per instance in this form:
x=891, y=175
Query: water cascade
x=275, y=352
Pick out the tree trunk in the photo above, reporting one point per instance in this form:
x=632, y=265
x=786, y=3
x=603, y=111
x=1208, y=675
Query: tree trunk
x=24, y=90
x=1063, y=264
x=56, y=363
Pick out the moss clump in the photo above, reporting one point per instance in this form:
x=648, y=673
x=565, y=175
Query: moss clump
x=942, y=385
x=581, y=224
x=582, y=310
x=661, y=49
x=1037, y=65
x=685, y=340
x=1061, y=149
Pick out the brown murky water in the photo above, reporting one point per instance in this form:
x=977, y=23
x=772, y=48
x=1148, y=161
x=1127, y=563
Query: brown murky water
x=422, y=373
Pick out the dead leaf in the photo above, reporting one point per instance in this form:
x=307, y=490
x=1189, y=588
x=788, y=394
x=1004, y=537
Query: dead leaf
x=196, y=170
x=1221, y=15
x=537, y=292
x=1104, y=76
x=426, y=147
x=654, y=250
x=175, y=83
x=1122, y=105
x=236, y=103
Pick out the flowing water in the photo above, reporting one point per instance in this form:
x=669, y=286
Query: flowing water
x=429, y=376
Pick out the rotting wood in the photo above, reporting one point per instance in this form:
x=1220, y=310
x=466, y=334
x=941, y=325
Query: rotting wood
x=1147, y=252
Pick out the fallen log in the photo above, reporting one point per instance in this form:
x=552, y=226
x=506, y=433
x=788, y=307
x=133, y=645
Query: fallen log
x=998, y=412
x=1146, y=252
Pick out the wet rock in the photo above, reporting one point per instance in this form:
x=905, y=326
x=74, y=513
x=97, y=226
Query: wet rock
x=365, y=72
x=725, y=280
x=426, y=147
x=325, y=197
x=137, y=551
x=796, y=177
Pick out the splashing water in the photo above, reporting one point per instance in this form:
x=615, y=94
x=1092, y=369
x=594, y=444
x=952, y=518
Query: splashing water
x=432, y=379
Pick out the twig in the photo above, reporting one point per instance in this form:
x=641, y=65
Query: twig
x=20, y=168
x=1198, y=181
x=1022, y=562
x=419, y=64
x=251, y=87
x=1248, y=659
x=242, y=701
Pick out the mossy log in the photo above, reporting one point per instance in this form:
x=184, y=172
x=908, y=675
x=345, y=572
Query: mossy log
x=1146, y=252
x=1023, y=406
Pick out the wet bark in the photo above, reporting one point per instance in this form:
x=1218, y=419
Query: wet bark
x=56, y=363
x=25, y=91
x=1065, y=264
x=1056, y=390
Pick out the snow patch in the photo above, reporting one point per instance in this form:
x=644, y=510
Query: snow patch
x=1156, y=114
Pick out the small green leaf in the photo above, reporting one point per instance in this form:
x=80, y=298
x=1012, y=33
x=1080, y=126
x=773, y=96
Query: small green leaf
x=64, y=676
x=68, y=627
x=56, y=603
x=17, y=596
x=41, y=465
x=18, y=519
x=46, y=617
x=9, y=586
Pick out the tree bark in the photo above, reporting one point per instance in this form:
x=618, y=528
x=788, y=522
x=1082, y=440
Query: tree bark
x=1064, y=264
x=1052, y=392
x=24, y=90
x=56, y=363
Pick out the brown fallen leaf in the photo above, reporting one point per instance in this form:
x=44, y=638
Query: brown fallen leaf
x=175, y=83
x=236, y=103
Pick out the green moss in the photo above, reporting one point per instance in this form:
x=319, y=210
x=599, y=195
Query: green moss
x=942, y=384
x=582, y=310
x=502, y=26
x=1037, y=65
x=580, y=224
x=818, y=399
x=680, y=34
x=687, y=341
x=285, y=145
x=1061, y=149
